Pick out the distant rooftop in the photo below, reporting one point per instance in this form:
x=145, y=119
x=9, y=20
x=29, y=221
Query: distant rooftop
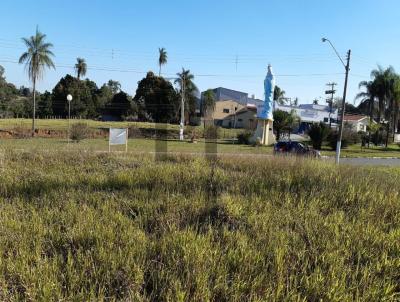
x=354, y=117
x=223, y=94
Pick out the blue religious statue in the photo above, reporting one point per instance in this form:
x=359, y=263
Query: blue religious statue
x=264, y=111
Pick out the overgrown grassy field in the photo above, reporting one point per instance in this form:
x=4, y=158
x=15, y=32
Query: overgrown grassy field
x=60, y=124
x=135, y=145
x=76, y=226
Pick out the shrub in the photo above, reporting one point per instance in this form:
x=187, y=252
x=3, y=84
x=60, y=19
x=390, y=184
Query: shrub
x=21, y=132
x=318, y=133
x=194, y=136
x=134, y=132
x=78, y=132
x=244, y=137
x=212, y=132
x=348, y=138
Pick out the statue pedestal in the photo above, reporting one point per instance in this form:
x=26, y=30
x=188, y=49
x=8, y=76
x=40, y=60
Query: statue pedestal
x=264, y=132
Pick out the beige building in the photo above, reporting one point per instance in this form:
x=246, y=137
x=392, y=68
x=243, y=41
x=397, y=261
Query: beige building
x=223, y=109
x=246, y=118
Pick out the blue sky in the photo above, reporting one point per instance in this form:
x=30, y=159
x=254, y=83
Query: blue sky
x=119, y=40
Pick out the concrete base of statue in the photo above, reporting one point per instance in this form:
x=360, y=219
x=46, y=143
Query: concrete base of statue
x=264, y=133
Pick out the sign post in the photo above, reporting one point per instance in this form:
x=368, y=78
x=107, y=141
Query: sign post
x=118, y=136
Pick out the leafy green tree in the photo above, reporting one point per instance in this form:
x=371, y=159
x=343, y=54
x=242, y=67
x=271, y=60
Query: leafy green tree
x=120, y=105
x=162, y=58
x=8, y=94
x=36, y=59
x=85, y=98
x=80, y=68
x=45, y=105
x=282, y=120
x=115, y=86
x=156, y=99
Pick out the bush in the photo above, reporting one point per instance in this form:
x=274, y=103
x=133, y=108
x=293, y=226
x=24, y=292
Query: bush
x=349, y=137
x=244, y=137
x=211, y=132
x=378, y=137
x=21, y=132
x=78, y=132
x=134, y=132
x=194, y=136
x=318, y=133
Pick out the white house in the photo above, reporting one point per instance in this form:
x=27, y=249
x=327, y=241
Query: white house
x=358, y=123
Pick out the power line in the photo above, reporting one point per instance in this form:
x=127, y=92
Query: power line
x=110, y=69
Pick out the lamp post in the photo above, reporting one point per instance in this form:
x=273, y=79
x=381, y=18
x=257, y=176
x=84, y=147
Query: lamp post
x=347, y=69
x=69, y=99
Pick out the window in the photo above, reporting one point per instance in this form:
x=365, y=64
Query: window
x=225, y=110
x=240, y=120
x=326, y=119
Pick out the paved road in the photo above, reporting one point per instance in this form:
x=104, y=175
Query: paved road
x=372, y=161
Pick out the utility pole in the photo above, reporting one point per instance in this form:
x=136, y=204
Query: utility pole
x=339, y=142
x=182, y=124
x=330, y=102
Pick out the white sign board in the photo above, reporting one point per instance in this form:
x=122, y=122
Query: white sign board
x=118, y=137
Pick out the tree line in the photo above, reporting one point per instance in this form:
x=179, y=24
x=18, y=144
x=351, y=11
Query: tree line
x=156, y=98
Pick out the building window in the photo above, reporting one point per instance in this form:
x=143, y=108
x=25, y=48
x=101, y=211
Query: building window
x=225, y=110
x=240, y=120
x=326, y=119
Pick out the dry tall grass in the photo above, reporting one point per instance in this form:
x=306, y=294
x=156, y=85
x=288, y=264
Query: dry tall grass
x=81, y=227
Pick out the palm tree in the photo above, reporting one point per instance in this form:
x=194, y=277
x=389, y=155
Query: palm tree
x=208, y=104
x=80, y=67
x=368, y=100
x=185, y=82
x=279, y=95
x=36, y=59
x=368, y=96
x=383, y=81
x=162, y=59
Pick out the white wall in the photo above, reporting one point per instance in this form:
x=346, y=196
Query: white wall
x=309, y=115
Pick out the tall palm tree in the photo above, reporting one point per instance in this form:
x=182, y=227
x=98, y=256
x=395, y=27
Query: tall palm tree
x=80, y=67
x=368, y=100
x=208, y=104
x=36, y=59
x=162, y=59
x=383, y=81
x=368, y=96
x=279, y=95
x=185, y=82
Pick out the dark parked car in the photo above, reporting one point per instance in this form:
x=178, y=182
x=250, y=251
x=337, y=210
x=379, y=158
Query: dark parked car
x=295, y=148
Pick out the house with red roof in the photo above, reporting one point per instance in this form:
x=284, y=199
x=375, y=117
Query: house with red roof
x=357, y=122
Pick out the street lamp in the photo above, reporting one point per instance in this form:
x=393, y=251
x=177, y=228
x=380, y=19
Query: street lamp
x=69, y=99
x=347, y=68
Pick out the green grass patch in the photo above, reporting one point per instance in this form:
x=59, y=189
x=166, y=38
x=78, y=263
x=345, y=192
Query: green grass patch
x=393, y=150
x=77, y=226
